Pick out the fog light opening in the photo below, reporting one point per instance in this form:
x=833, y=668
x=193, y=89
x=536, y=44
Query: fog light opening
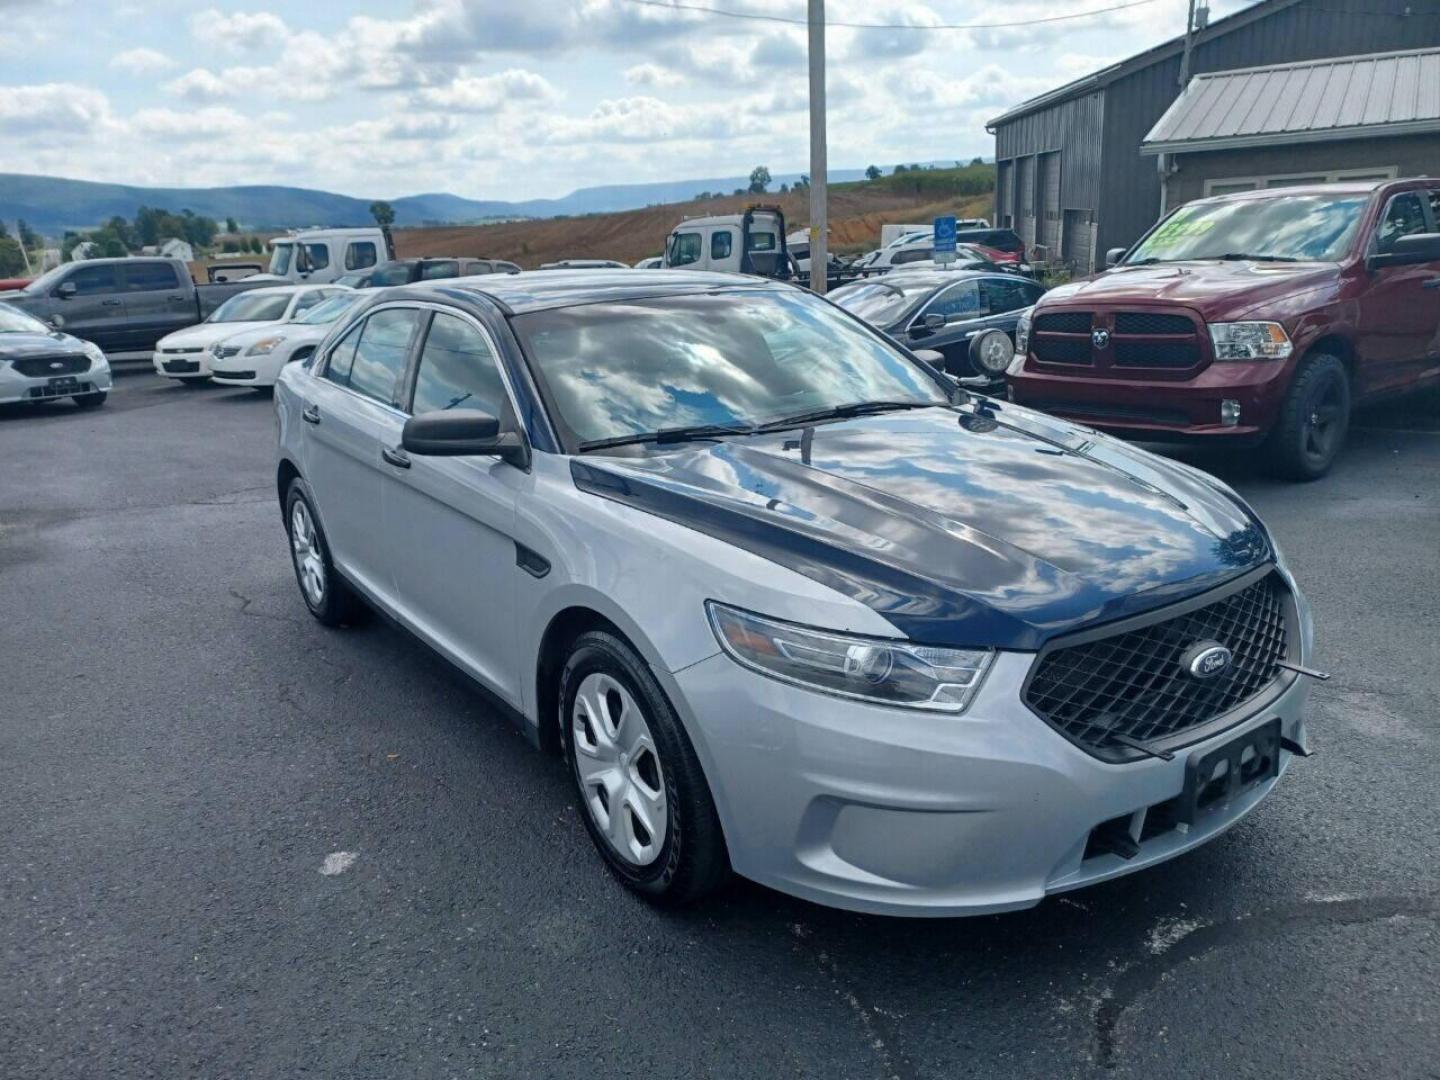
x=1229, y=412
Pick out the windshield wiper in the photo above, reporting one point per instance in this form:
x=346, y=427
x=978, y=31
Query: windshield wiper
x=840, y=412
x=668, y=435
x=1240, y=256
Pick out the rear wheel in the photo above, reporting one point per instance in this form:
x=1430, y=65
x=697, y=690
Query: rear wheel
x=642, y=794
x=1314, y=420
x=326, y=594
x=92, y=400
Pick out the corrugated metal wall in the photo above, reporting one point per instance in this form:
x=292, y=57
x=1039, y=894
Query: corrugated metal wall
x=1098, y=135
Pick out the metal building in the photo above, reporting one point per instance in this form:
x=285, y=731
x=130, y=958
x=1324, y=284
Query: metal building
x=1071, y=176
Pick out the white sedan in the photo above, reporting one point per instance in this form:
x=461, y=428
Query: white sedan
x=256, y=356
x=185, y=354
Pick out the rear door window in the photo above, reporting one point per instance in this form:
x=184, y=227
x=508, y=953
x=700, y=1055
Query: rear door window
x=150, y=277
x=360, y=255
x=959, y=301
x=381, y=352
x=446, y=268
x=342, y=357
x=720, y=244
x=999, y=295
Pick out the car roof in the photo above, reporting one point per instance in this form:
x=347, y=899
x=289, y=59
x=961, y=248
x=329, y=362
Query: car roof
x=1346, y=187
x=537, y=290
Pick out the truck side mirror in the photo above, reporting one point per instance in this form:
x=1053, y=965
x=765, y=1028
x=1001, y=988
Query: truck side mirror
x=1407, y=251
x=933, y=321
x=1113, y=257
x=65, y=290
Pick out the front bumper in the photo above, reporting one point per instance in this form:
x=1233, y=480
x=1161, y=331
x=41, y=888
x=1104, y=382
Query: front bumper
x=182, y=365
x=898, y=812
x=15, y=387
x=1158, y=408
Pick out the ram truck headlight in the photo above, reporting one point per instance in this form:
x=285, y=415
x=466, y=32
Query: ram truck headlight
x=1250, y=341
x=265, y=345
x=98, y=361
x=878, y=670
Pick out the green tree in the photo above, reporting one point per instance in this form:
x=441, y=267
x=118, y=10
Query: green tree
x=784, y=188
x=232, y=226
x=29, y=238
x=872, y=172
x=229, y=247
x=759, y=180
x=977, y=161
x=12, y=259
x=383, y=213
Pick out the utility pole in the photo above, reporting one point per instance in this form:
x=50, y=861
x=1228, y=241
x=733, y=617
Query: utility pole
x=819, y=215
x=1189, y=39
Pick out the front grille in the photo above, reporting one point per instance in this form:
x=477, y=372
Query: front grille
x=1063, y=322
x=1115, y=414
x=182, y=352
x=1133, y=682
x=1156, y=354
x=181, y=367
x=1061, y=350
x=1150, y=322
x=40, y=367
x=224, y=352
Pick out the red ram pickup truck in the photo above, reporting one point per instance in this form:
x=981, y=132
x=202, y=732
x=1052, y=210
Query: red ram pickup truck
x=1258, y=318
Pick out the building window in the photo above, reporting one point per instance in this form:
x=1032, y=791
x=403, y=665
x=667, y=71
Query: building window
x=1230, y=184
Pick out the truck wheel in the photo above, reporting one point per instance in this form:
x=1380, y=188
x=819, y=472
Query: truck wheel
x=1313, y=420
x=93, y=400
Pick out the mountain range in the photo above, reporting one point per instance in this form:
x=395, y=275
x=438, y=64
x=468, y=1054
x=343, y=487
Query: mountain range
x=50, y=204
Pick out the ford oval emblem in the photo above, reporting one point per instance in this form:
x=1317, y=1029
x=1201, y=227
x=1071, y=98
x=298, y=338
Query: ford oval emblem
x=56, y=365
x=1206, y=659
x=1101, y=338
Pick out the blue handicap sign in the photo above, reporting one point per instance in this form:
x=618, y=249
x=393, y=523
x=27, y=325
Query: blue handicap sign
x=944, y=234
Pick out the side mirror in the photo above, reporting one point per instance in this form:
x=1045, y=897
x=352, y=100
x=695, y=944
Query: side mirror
x=933, y=321
x=57, y=321
x=65, y=290
x=934, y=357
x=463, y=433
x=1407, y=251
x=1113, y=257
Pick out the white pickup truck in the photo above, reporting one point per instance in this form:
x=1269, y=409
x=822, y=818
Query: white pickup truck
x=317, y=256
x=748, y=243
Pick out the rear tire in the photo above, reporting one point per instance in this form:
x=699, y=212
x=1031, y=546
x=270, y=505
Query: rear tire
x=1314, y=420
x=324, y=591
x=632, y=762
x=92, y=400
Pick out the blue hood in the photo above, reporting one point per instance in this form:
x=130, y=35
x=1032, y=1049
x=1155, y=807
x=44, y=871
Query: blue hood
x=991, y=527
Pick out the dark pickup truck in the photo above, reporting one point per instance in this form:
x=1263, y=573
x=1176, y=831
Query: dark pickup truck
x=122, y=305
x=1257, y=318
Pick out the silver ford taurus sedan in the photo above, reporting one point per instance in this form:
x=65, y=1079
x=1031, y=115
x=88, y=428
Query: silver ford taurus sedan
x=787, y=600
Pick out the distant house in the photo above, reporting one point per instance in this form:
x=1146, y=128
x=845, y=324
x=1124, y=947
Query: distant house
x=86, y=249
x=177, y=249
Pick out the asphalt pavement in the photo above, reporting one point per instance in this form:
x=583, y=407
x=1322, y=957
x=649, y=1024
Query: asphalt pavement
x=236, y=844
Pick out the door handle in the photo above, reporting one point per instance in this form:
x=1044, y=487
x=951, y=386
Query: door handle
x=395, y=456
x=177, y=296
x=311, y=414
x=110, y=303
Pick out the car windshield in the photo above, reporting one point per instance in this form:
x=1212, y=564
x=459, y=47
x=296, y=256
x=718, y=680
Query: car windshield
x=885, y=302
x=327, y=311
x=735, y=358
x=17, y=322
x=252, y=307
x=280, y=259
x=1285, y=228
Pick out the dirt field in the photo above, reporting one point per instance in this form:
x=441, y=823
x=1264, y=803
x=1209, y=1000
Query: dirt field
x=856, y=213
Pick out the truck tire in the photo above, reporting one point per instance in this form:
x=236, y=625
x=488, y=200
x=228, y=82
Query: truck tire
x=1313, y=422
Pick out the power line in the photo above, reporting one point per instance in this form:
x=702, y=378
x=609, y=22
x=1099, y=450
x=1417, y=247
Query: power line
x=756, y=16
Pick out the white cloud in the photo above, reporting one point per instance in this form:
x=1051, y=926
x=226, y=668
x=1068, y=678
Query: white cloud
x=172, y=124
x=52, y=109
x=489, y=93
x=141, y=61
x=243, y=31
x=200, y=85
x=652, y=75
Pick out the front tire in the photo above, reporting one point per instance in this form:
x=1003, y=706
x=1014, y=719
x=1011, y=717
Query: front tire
x=642, y=794
x=1314, y=420
x=325, y=593
x=92, y=400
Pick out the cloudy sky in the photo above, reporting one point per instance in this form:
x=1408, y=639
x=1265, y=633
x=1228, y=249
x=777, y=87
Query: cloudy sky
x=518, y=98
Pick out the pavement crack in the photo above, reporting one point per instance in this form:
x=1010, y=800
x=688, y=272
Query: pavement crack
x=245, y=605
x=1196, y=941
x=874, y=1027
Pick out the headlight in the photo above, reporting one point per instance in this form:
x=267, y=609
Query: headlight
x=214, y=349
x=1250, y=341
x=265, y=345
x=1022, y=334
x=879, y=670
x=96, y=355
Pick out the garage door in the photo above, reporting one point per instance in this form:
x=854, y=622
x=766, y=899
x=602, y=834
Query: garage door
x=1025, y=198
x=1049, y=223
x=1078, y=242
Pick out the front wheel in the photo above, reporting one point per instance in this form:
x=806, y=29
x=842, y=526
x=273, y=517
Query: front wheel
x=1314, y=420
x=642, y=794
